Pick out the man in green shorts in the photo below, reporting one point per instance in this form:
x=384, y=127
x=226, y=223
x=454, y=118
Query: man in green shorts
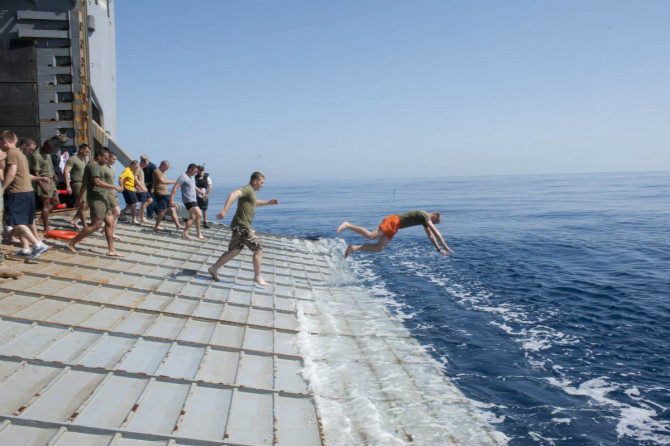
x=74, y=175
x=98, y=202
x=243, y=233
x=391, y=224
x=42, y=166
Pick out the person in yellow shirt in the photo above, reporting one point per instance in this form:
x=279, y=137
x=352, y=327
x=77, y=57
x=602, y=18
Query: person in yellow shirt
x=127, y=181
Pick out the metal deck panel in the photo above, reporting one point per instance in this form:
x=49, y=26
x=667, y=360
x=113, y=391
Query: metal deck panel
x=147, y=350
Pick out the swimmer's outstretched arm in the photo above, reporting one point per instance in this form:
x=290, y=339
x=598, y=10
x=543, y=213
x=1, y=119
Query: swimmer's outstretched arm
x=434, y=235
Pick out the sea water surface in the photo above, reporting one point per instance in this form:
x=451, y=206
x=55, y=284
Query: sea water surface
x=553, y=315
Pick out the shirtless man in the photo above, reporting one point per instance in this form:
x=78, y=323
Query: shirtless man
x=391, y=224
x=243, y=233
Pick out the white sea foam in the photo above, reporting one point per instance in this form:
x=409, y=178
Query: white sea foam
x=638, y=422
x=374, y=383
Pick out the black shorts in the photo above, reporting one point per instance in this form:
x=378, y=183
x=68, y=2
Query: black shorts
x=130, y=196
x=162, y=201
x=20, y=208
x=202, y=204
x=190, y=204
x=143, y=196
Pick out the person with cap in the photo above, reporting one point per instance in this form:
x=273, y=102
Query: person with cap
x=203, y=182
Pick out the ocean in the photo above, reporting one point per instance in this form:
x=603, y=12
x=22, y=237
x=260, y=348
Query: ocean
x=553, y=315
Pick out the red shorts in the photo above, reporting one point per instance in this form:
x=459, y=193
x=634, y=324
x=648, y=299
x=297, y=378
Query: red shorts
x=390, y=226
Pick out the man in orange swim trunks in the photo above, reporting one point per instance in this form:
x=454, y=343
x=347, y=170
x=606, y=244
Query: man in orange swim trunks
x=391, y=224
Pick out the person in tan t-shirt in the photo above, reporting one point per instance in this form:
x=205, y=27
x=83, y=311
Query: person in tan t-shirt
x=17, y=182
x=162, y=195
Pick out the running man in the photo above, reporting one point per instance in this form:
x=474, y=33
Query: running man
x=391, y=224
x=243, y=233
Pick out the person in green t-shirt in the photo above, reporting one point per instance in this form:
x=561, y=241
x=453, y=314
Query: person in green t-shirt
x=243, y=233
x=74, y=175
x=391, y=224
x=42, y=166
x=96, y=191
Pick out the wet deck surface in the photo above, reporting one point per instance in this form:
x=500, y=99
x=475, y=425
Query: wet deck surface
x=146, y=349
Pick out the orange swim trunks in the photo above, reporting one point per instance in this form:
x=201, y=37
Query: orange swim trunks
x=390, y=226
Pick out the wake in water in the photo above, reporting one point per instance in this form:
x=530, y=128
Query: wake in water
x=375, y=384
x=553, y=390
x=553, y=312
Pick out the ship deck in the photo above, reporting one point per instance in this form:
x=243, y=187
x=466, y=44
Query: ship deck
x=147, y=350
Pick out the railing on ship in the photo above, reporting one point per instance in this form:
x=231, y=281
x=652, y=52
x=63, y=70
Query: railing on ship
x=100, y=135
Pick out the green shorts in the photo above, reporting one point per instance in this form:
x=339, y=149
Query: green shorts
x=76, y=188
x=99, y=208
x=51, y=190
x=112, y=198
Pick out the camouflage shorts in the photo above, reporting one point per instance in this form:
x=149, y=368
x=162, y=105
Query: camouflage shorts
x=244, y=237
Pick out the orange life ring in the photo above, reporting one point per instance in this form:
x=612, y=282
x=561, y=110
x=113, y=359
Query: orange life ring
x=59, y=234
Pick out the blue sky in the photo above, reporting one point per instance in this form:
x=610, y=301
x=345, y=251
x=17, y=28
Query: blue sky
x=386, y=88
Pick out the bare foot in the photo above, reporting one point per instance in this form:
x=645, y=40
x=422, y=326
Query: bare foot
x=117, y=238
x=144, y=220
x=259, y=280
x=159, y=228
x=114, y=254
x=180, y=227
x=186, y=236
x=71, y=247
x=215, y=276
x=348, y=252
x=75, y=224
x=137, y=222
x=342, y=227
x=201, y=237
